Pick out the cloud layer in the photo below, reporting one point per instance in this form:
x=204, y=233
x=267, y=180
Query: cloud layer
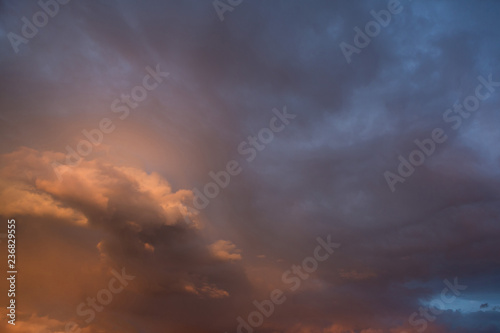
x=128, y=204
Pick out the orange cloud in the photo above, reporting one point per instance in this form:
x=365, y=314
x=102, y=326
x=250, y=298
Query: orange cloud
x=225, y=250
x=29, y=186
x=207, y=290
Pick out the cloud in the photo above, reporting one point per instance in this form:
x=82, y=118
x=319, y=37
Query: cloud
x=209, y=290
x=33, y=189
x=133, y=219
x=225, y=250
x=128, y=203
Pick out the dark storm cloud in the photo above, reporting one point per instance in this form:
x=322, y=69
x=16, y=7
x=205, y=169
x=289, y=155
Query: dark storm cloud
x=323, y=175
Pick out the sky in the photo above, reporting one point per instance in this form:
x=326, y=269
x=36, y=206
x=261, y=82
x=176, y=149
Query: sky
x=251, y=166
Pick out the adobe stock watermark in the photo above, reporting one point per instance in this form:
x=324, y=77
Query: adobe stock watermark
x=103, y=297
x=372, y=29
x=30, y=28
x=249, y=148
x=419, y=320
x=293, y=278
x=122, y=107
x=427, y=146
x=222, y=6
